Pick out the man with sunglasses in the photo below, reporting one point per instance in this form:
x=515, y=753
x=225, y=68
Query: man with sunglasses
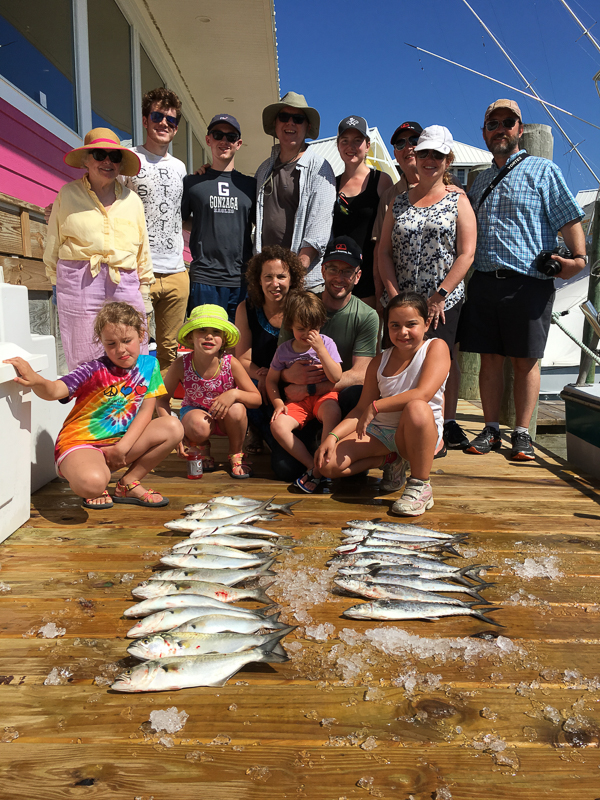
x=296, y=187
x=521, y=203
x=221, y=202
x=159, y=184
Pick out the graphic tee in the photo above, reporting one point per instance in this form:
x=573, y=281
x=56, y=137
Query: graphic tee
x=223, y=207
x=107, y=398
x=159, y=185
x=285, y=355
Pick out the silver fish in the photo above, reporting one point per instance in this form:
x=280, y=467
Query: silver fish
x=189, y=524
x=154, y=604
x=400, y=527
x=241, y=503
x=427, y=585
x=218, y=591
x=179, y=672
x=388, y=592
x=371, y=556
x=356, y=535
x=430, y=545
x=171, y=618
x=208, y=561
x=227, y=576
x=395, y=610
x=436, y=571
x=209, y=549
x=216, y=623
x=164, y=645
x=235, y=529
x=240, y=542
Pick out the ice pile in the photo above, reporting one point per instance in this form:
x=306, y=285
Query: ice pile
x=4, y=587
x=301, y=587
x=546, y=567
x=51, y=631
x=320, y=632
x=168, y=720
x=58, y=677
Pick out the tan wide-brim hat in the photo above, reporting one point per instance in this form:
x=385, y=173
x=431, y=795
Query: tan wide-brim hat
x=292, y=100
x=103, y=139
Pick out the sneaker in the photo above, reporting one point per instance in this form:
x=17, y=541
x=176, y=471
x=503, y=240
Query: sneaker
x=522, y=448
x=488, y=439
x=454, y=436
x=416, y=499
x=394, y=474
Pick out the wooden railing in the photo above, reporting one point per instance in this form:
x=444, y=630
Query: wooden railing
x=22, y=242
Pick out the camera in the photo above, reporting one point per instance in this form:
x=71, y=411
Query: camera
x=549, y=266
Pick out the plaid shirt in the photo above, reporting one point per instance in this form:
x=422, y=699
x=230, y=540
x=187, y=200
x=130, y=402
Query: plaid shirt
x=312, y=224
x=521, y=215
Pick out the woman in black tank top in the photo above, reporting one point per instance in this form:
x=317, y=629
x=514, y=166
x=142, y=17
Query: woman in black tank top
x=358, y=191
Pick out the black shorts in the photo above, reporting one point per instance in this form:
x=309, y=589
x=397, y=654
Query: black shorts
x=447, y=330
x=506, y=316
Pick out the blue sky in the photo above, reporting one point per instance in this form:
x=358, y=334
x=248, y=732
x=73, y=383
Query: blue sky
x=349, y=57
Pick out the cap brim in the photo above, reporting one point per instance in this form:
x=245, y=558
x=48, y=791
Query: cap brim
x=351, y=260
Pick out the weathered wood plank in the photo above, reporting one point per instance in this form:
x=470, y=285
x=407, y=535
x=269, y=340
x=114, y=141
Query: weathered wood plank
x=25, y=272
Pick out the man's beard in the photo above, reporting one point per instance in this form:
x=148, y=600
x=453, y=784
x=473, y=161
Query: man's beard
x=504, y=146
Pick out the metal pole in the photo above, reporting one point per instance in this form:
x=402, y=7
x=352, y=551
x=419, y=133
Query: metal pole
x=587, y=368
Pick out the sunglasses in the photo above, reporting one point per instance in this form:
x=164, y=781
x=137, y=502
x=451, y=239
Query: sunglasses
x=116, y=156
x=334, y=272
x=231, y=136
x=431, y=154
x=285, y=116
x=158, y=116
x=400, y=144
x=508, y=124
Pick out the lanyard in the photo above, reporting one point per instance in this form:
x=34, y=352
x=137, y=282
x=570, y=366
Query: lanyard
x=502, y=174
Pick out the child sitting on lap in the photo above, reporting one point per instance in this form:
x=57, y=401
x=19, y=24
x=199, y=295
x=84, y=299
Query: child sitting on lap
x=217, y=387
x=305, y=314
x=111, y=424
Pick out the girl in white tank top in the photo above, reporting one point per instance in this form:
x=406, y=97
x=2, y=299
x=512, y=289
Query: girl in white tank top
x=399, y=418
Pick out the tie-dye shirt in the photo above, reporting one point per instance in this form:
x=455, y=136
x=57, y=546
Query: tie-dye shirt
x=107, y=398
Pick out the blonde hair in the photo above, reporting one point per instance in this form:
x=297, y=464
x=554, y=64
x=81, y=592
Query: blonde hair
x=448, y=177
x=119, y=314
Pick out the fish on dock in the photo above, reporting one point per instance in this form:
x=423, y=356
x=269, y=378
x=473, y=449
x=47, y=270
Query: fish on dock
x=213, y=561
x=153, y=604
x=164, y=645
x=172, y=618
x=225, y=540
x=240, y=503
x=230, y=577
x=150, y=590
x=400, y=610
x=217, y=623
x=203, y=524
x=400, y=527
x=383, y=591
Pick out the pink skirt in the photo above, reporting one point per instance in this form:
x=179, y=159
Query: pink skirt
x=79, y=299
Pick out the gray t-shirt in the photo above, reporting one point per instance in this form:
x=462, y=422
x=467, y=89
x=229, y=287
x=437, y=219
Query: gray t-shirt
x=280, y=205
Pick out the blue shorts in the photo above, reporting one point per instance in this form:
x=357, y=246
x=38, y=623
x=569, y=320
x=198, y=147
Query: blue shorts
x=385, y=434
x=216, y=430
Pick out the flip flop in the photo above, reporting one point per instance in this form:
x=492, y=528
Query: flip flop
x=308, y=477
x=97, y=506
x=137, y=501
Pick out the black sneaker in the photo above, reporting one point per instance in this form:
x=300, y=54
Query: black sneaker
x=522, y=448
x=454, y=436
x=488, y=439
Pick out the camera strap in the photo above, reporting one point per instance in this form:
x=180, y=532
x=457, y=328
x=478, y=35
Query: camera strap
x=500, y=176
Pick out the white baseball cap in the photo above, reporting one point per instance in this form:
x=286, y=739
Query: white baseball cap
x=435, y=137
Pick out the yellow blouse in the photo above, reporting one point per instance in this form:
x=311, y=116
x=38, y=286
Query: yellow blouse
x=82, y=229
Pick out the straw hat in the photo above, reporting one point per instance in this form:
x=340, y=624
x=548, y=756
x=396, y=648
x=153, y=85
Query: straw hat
x=209, y=316
x=103, y=139
x=292, y=100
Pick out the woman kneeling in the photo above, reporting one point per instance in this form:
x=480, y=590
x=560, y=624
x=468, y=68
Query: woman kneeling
x=399, y=417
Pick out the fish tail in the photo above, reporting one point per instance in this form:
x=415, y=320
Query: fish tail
x=483, y=618
x=271, y=641
x=286, y=508
x=260, y=595
x=450, y=549
x=266, y=564
x=474, y=570
x=474, y=593
x=272, y=658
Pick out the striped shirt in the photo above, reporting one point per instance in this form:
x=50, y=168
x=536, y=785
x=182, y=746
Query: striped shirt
x=521, y=215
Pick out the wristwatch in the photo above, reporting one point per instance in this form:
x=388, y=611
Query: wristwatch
x=579, y=255
x=442, y=292
x=312, y=389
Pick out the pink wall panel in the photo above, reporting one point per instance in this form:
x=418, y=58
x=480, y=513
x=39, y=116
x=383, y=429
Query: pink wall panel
x=31, y=159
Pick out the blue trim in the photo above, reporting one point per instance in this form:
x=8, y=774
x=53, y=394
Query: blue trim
x=265, y=324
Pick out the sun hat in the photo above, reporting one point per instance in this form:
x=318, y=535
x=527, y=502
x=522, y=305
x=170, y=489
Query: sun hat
x=435, y=137
x=209, y=316
x=103, y=139
x=354, y=123
x=510, y=105
x=224, y=118
x=293, y=100
x=343, y=248
x=409, y=125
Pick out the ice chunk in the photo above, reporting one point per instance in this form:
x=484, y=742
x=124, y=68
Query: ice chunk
x=50, y=631
x=259, y=774
x=9, y=735
x=551, y=714
x=350, y=637
x=168, y=720
x=166, y=741
x=443, y=793
x=370, y=743
x=546, y=567
x=128, y=577
x=4, y=587
x=58, y=677
x=319, y=632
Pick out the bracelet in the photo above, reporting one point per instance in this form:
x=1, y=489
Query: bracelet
x=375, y=407
x=331, y=433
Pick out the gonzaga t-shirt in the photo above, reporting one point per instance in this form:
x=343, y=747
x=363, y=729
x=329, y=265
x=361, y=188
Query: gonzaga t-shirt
x=159, y=185
x=222, y=206
x=107, y=398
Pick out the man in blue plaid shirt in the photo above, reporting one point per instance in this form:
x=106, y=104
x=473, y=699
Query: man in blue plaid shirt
x=509, y=306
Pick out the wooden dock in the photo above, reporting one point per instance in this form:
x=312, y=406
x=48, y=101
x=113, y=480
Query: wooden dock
x=437, y=712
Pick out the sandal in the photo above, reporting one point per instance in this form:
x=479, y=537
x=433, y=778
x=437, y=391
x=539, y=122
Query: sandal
x=238, y=462
x=208, y=462
x=122, y=488
x=253, y=443
x=97, y=506
x=308, y=478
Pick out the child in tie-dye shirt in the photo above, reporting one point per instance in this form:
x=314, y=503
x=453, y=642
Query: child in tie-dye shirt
x=110, y=425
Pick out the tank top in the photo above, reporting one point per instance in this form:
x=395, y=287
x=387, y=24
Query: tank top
x=201, y=392
x=264, y=336
x=355, y=217
x=424, y=246
x=405, y=380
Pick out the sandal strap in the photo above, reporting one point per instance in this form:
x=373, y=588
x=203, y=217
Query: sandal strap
x=147, y=495
x=123, y=488
x=104, y=494
x=237, y=458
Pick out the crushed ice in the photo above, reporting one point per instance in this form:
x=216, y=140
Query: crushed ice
x=168, y=720
x=51, y=631
x=58, y=677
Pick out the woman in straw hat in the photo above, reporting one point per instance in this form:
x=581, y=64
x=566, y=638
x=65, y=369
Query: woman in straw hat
x=295, y=187
x=97, y=247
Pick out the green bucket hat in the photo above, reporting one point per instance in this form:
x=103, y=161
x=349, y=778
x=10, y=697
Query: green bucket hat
x=292, y=100
x=209, y=316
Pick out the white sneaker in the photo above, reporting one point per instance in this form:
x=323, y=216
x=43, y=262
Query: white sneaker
x=394, y=475
x=416, y=499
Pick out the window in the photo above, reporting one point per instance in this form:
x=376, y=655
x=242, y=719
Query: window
x=150, y=77
x=110, y=68
x=461, y=174
x=198, y=156
x=37, y=53
x=180, y=142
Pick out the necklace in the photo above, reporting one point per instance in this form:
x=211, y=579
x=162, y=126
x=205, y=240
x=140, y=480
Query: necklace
x=212, y=376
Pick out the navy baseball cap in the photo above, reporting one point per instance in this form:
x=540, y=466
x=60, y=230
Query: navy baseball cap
x=224, y=118
x=355, y=123
x=406, y=126
x=343, y=248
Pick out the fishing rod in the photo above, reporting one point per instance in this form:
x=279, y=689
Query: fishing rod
x=533, y=91
x=586, y=32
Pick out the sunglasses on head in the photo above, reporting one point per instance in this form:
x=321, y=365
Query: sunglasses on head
x=116, y=156
x=158, y=116
x=285, y=116
x=431, y=154
x=231, y=136
x=400, y=144
x=508, y=124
